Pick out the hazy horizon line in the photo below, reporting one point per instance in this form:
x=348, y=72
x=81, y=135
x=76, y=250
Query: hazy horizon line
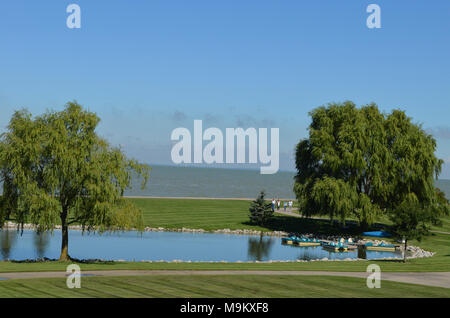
x=205, y=166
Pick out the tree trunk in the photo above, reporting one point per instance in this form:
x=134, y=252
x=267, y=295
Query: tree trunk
x=363, y=225
x=65, y=238
x=404, y=253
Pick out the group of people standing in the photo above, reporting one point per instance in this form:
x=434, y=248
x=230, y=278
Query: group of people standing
x=276, y=205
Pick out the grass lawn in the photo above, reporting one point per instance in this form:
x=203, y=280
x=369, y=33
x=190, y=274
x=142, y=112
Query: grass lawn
x=196, y=214
x=222, y=214
x=231, y=214
x=445, y=225
x=215, y=286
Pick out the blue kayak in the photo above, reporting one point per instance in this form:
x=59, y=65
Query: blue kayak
x=377, y=234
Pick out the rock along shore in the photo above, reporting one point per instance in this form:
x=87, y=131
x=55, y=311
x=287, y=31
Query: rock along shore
x=11, y=225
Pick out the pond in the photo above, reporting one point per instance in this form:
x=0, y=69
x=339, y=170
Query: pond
x=166, y=246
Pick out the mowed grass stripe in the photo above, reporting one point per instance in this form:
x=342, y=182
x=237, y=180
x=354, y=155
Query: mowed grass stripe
x=150, y=287
x=205, y=214
x=445, y=226
x=124, y=288
x=215, y=286
x=229, y=288
x=185, y=288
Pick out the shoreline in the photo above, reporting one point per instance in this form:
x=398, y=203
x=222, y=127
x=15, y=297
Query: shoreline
x=28, y=226
x=192, y=198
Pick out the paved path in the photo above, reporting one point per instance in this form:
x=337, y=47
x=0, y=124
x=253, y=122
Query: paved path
x=440, y=232
x=438, y=279
x=289, y=212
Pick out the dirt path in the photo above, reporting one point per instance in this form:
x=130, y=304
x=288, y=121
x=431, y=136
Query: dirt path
x=437, y=279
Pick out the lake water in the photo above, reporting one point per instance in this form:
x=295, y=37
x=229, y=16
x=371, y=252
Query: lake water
x=174, y=181
x=182, y=181
x=167, y=246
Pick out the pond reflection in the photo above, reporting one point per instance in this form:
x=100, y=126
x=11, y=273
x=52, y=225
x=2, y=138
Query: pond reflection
x=309, y=253
x=259, y=248
x=362, y=253
x=41, y=241
x=7, y=240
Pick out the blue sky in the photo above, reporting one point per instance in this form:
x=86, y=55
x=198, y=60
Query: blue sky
x=147, y=67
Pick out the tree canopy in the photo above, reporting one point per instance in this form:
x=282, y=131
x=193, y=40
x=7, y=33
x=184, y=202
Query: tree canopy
x=56, y=170
x=260, y=210
x=359, y=162
x=411, y=220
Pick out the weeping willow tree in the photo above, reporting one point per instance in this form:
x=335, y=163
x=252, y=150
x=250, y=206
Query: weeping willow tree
x=359, y=162
x=57, y=171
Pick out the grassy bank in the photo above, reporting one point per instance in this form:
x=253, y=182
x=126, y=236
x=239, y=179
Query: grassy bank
x=216, y=286
x=210, y=214
x=195, y=214
x=222, y=214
